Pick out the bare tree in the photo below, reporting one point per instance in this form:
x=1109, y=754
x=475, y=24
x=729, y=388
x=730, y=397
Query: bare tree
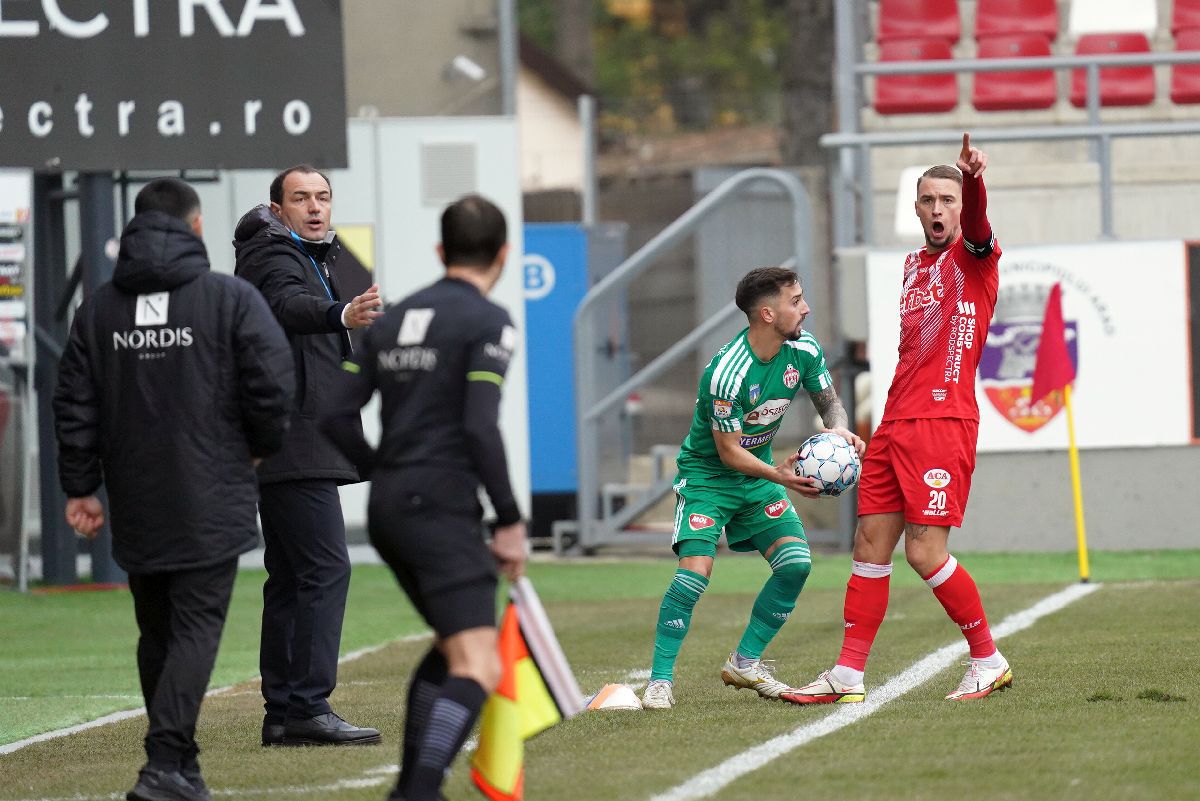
x=808, y=81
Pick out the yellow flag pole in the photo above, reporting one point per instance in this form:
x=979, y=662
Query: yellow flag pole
x=1077, y=487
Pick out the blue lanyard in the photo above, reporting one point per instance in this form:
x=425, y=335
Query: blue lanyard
x=320, y=277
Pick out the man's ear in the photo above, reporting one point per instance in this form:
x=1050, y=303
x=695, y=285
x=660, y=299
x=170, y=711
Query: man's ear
x=501, y=256
x=441, y=251
x=276, y=209
x=198, y=225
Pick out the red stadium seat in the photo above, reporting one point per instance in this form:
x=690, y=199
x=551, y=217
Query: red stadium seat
x=915, y=94
x=1185, y=14
x=997, y=17
x=1119, y=86
x=1006, y=91
x=1185, y=78
x=918, y=19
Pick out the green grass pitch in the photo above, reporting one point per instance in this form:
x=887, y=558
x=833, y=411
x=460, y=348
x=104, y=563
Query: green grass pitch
x=1105, y=704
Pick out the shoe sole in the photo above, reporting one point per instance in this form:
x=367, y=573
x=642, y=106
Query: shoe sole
x=295, y=742
x=1002, y=683
x=828, y=698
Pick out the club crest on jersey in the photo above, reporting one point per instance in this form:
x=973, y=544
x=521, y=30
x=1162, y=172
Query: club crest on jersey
x=755, y=392
x=791, y=377
x=937, y=477
x=722, y=408
x=776, y=509
x=697, y=522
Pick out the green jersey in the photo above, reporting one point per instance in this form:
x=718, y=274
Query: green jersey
x=739, y=392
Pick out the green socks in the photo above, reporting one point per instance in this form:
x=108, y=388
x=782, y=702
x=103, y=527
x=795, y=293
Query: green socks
x=790, y=565
x=674, y=618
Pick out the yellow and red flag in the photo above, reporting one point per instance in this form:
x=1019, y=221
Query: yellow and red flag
x=1054, y=371
x=536, y=690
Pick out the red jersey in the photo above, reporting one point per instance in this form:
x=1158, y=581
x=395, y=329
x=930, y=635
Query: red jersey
x=945, y=309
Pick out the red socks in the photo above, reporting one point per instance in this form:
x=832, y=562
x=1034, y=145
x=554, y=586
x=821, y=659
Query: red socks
x=954, y=588
x=866, y=604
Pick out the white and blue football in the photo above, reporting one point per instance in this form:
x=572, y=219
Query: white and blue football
x=831, y=460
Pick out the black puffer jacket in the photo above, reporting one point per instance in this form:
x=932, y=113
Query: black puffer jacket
x=172, y=380
x=285, y=270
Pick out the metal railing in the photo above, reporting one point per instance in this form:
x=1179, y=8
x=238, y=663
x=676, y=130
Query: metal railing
x=851, y=170
x=592, y=530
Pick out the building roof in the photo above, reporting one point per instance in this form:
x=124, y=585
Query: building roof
x=551, y=70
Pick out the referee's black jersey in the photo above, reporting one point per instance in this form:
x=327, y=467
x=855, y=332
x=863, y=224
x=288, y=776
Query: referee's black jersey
x=438, y=359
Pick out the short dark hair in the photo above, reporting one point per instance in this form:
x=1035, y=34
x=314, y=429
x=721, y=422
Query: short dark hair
x=168, y=195
x=277, y=184
x=473, y=231
x=940, y=171
x=760, y=283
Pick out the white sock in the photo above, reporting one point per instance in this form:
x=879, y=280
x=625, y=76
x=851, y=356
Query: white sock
x=846, y=675
x=992, y=662
x=742, y=661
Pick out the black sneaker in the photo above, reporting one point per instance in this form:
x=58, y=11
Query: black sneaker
x=163, y=785
x=327, y=729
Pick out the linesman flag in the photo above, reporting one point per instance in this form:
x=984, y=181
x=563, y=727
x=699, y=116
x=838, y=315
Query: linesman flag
x=1053, y=370
x=537, y=689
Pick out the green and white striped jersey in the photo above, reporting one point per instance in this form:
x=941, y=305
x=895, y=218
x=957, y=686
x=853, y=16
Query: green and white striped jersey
x=738, y=392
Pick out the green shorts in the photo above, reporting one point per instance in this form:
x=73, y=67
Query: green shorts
x=753, y=513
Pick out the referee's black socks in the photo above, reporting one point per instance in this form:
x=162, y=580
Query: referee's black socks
x=423, y=690
x=451, y=717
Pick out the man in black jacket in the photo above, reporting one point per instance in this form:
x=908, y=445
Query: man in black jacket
x=438, y=359
x=174, y=381
x=288, y=251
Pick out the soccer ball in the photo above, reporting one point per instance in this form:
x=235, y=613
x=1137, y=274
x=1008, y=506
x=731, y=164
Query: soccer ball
x=831, y=460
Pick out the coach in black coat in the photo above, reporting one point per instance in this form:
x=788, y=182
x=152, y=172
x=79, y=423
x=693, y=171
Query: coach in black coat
x=288, y=251
x=174, y=381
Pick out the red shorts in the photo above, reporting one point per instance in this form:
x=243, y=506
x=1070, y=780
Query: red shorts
x=921, y=468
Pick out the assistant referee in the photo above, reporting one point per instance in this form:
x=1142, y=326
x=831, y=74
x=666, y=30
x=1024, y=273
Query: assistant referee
x=438, y=359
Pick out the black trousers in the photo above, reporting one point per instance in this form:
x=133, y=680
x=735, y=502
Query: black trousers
x=180, y=615
x=304, y=599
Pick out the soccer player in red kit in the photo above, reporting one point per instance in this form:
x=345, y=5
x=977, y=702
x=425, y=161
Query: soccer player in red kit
x=917, y=472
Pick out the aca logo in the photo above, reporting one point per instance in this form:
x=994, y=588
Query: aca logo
x=1007, y=362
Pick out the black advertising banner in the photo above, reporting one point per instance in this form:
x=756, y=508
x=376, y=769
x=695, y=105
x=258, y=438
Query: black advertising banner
x=99, y=85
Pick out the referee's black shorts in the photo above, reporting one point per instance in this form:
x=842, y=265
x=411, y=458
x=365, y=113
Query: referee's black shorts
x=425, y=523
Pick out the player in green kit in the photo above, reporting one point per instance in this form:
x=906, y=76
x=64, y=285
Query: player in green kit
x=728, y=480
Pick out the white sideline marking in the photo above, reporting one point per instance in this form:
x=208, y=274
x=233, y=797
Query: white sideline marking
x=372, y=777
x=126, y=714
x=716, y=778
x=58, y=697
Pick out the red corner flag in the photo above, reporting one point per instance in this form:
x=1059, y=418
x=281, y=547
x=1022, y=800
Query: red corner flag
x=1054, y=368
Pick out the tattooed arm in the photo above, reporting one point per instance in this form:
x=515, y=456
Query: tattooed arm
x=834, y=418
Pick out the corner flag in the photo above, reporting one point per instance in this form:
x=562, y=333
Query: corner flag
x=536, y=690
x=1053, y=369
x=1052, y=372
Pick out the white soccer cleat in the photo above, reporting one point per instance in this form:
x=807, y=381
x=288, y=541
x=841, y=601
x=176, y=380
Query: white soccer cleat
x=658, y=695
x=757, y=676
x=980, y=681
x=826, y=690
